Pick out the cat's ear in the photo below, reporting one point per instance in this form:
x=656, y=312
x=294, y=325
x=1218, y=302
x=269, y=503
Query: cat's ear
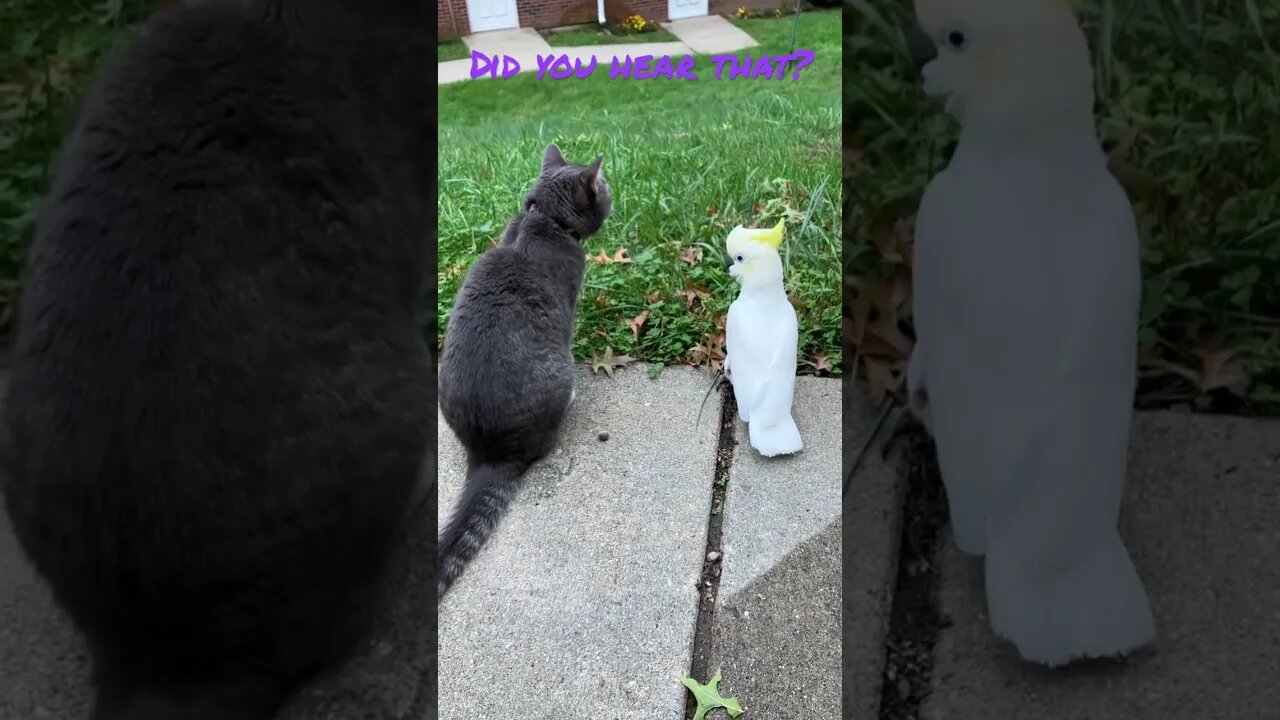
x=593, y=170
x=552, y=158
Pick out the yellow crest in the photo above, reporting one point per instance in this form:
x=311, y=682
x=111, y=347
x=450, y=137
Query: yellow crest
x=767, y=236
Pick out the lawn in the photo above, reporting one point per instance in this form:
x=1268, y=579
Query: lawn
x=593, y=35
x=687, y=160
x=452, y=50
x=1187, y=107
x=48, y=51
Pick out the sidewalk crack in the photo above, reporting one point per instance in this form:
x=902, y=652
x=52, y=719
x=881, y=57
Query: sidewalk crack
x=712, y=558
x=916, y=617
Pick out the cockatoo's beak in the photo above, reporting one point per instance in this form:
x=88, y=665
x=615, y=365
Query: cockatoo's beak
x=923, y=51
x=728, y=261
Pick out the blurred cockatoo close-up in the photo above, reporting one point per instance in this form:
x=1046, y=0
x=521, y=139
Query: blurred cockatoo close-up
x=761, y=337
x=1026, y=295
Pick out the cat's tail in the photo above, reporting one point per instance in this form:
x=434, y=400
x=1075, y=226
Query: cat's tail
x=489, y=489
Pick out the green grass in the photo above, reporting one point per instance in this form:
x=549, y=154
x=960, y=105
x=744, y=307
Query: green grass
x=593, y=35
x=48, y=51
x=687, y=160
x=1194, y=90
x=452, y=50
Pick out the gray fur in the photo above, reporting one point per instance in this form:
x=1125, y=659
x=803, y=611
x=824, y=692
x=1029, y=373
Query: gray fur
x=506, y=376
x=220, y=397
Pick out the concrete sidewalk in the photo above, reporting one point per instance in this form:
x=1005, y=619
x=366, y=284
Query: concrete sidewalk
x=1200, y=520
x=776, y=631
x=695, y=36
x=44, y=665
x=585, y=602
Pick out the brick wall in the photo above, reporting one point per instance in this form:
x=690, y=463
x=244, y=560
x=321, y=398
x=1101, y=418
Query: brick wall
x=618, y=10
x=446, y=22
x=543, y=14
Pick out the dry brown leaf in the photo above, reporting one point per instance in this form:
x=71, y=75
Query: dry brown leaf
x=879, y=378
x=620, y=256
x=709, y=352
x=1222, y=369
x=1137, y=181
x=692, y=293
x=891, y=335
x=637, y=322
x=822, y=363
x=608, y=362
x=691, y=255
x=712, y=211
x=600, y=259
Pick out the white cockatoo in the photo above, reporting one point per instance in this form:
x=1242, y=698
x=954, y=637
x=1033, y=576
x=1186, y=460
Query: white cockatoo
x=1027, y=288
x=761, y=334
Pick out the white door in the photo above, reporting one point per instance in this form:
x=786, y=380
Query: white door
x=493, y=15
x=677, y=9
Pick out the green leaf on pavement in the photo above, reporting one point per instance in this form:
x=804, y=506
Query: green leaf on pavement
x=708, y=697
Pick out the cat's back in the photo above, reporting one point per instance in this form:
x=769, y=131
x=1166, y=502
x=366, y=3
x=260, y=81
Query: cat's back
x=211, y=265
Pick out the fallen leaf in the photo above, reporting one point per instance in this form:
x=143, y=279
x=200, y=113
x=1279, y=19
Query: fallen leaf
x=603, y=362
x=710, y=352
x=822, y=363
x=620, y=256
x=794, y=217
x=637, y=322
x=1222, y=369
x=600, y=259
x=692, y=293
x=608, y=361
x=795, y=302
x=1137, y=181
x=712, y=211
x=880, y=379
x=691, y=255
x=709, y=698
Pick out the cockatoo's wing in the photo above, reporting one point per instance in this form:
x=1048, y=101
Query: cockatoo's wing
x=1030, y=380
x=773, y=402
x=739, y=340
x=760, y=345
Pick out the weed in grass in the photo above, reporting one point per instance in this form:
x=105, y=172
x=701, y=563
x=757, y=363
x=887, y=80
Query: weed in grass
x=687, y=160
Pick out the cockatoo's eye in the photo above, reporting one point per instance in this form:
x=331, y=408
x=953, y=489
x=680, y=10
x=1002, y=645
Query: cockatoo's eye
x=739, y=258
x=957, y=39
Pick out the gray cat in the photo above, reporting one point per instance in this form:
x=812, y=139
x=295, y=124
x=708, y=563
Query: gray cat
x=220, y=398
x=506, y=376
